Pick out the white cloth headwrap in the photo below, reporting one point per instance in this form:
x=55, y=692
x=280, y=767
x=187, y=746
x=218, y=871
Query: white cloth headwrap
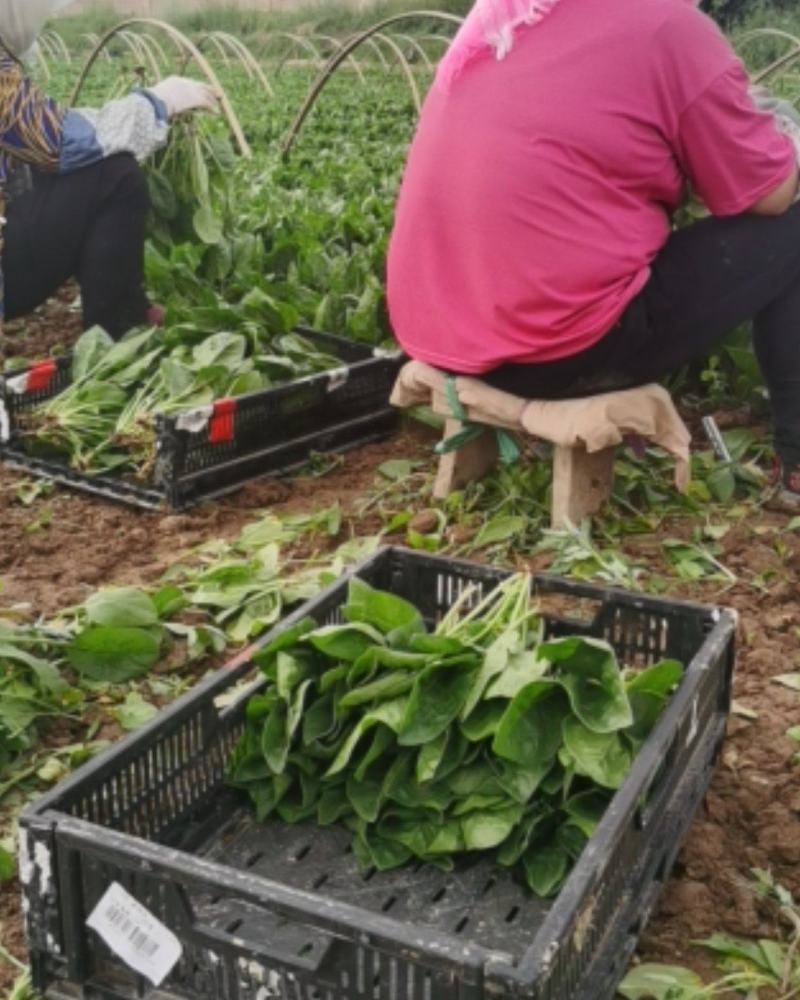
x=22, y=20
x=489, y=27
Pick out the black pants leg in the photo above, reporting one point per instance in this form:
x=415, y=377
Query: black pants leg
x=89, y=225
x=708, y=278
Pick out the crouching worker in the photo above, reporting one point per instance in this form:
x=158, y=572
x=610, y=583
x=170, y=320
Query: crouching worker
x=75, y=196
x=533, y=244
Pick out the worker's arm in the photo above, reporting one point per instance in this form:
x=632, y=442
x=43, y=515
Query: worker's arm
x=787, y=121
x=779, y=200
x=34, y=130
x=734, y=154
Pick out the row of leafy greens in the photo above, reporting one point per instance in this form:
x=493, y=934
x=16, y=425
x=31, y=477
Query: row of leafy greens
x=477, y=736
x=305, y=237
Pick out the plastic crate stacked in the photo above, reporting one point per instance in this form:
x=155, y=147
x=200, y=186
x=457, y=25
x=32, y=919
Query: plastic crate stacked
x=276, y=911
x=211, y=450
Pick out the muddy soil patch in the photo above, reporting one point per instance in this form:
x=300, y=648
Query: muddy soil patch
x=62, y=545
x=52, y=329
x=751, y=815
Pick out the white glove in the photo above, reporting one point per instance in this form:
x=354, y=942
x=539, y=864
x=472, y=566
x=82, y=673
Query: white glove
x=786, y=115
x=179, y=94
x=789, y=127
x=778, y=106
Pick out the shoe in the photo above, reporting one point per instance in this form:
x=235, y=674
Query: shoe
x=155, y=316
x=783, y=493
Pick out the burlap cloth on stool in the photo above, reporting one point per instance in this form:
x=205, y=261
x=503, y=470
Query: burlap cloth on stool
x=596, y=422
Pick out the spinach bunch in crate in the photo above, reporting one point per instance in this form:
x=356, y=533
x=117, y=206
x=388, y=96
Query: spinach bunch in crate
x=478, y=736
x=104, y=420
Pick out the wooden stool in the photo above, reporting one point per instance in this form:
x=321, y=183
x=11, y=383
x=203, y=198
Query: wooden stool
x=584, y=433
x=582, y=480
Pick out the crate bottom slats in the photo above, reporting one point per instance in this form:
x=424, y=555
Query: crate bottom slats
x=479, y=902
x=100, y=486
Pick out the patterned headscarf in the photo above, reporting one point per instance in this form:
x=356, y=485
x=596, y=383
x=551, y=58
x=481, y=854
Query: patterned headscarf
x=489, y=27
x=22, y=20
x=30, y=123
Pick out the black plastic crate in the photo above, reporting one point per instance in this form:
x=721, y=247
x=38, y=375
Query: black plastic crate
x=272, y=910
x=212, y=450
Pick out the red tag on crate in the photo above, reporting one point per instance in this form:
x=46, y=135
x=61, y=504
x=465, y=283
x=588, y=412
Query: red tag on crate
x=40, y=376
x=220, y=427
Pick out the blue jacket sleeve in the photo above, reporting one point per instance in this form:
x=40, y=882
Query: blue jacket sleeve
x=34, y=130
x=135, y=124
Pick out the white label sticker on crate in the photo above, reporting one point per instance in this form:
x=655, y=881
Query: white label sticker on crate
x=131, y=931
x=694, y=723
x=195, y=420
x=337, y=377
x=18, y=384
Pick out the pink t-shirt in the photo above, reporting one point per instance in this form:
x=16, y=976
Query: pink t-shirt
x=538, y=191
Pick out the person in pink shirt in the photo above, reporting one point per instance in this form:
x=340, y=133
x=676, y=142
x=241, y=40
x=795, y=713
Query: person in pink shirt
x=533, y=244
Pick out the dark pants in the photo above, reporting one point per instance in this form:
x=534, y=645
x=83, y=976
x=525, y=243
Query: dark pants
x=708, y=279
x=88, y=225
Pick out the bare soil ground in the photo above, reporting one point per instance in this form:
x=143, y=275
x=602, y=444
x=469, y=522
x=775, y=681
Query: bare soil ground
x=51, y=329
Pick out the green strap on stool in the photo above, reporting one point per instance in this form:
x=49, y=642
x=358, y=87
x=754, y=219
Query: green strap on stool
x=507, y=447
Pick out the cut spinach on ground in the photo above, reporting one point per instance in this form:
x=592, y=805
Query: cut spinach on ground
x=478, y=736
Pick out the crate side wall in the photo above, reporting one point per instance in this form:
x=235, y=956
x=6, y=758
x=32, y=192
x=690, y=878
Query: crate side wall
x=211, y=476
x=616, y=947
x=340, y=965
x=14, y=406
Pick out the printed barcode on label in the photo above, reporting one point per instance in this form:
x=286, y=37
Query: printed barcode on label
x=136, y=935
x=141, y=942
